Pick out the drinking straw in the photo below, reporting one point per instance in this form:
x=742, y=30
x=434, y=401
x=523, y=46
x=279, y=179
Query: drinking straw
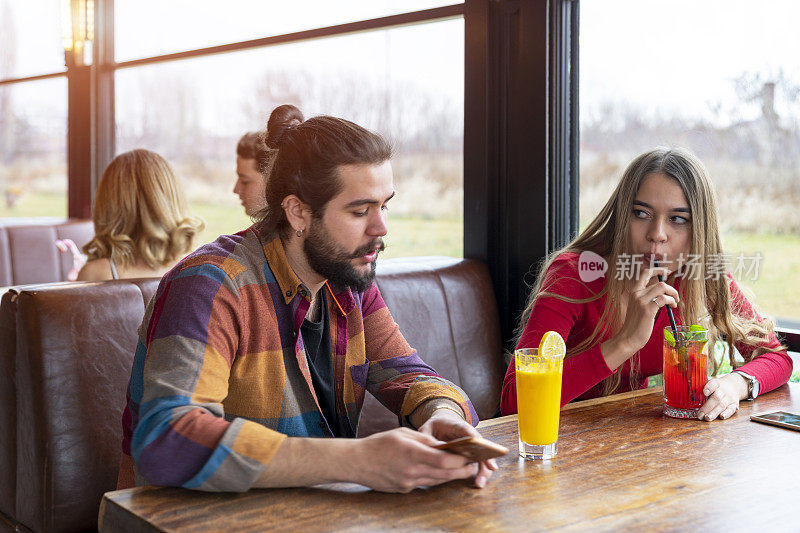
x=689, y=371
x=669, y=311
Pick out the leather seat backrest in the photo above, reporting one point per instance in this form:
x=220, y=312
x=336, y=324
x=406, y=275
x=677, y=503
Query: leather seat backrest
x=8, y=405
x=74, y=349
x=8, y=397
x=447, y=311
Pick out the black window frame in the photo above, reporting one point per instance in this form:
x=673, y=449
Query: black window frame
x=520, y=140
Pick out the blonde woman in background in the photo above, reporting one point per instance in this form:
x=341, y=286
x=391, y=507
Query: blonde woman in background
x=141, y=222
x=663, y=210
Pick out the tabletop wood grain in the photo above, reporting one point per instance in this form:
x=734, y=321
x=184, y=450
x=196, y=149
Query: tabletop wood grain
x=621, y=464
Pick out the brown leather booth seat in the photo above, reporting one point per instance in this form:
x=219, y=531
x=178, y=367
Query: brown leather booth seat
x=74, y=349
x=28, y=252
x=67, y=350
x=446, y=309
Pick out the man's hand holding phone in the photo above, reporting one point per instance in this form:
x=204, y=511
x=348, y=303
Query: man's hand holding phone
x=447, y=425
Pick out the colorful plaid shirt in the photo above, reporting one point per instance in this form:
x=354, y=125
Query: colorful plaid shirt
x=220, y=375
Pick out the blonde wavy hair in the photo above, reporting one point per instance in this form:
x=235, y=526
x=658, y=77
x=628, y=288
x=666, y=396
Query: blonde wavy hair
x=140, y=213
x=702, y=301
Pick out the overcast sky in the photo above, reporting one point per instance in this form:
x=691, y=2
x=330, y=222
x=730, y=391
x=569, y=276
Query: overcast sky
x=679, y=55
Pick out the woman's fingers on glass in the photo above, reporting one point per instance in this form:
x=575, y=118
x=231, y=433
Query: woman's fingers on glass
x=712, y=402
x=711, y=414
x=729, y=411
x=714, y=413
x=711, y=386
x=718, y=403
x=726, y=408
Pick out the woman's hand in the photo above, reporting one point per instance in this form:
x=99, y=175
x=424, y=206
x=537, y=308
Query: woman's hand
x=78, y=259
x=723, y=396
x=646, y=297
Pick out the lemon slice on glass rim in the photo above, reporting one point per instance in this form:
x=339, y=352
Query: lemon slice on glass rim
x=552, y=345
x=704, y=349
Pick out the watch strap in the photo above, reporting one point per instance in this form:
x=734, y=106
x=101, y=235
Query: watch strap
x=752, y=385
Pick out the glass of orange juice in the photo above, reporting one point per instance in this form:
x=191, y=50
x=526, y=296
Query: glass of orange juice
x=538, y=401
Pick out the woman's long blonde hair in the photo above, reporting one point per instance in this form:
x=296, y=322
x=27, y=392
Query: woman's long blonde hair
x=706, y=301
x=140, y=213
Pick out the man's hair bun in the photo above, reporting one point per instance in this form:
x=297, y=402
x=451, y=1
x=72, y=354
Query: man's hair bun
x=283, y=119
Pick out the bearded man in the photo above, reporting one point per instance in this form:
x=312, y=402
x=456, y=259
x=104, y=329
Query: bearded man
x=259, y=345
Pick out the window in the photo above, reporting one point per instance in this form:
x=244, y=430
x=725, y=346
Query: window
x=30, y=38
x=719, y=77
x=405, y=83
x=33, y=113
x=33, y=148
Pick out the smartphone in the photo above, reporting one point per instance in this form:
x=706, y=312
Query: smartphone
x=779, y=418
x=475, y=448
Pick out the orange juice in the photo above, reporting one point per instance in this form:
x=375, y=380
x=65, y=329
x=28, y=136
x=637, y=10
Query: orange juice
x=538, y=403
x=539, y=396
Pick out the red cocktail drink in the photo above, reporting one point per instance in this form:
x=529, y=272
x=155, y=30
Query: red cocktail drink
x=685, y=370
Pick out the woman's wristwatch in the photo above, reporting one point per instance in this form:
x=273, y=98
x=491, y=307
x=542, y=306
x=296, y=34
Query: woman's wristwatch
x=752, y=385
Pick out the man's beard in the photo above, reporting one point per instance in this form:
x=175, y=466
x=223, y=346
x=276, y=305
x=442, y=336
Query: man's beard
x=334, y=263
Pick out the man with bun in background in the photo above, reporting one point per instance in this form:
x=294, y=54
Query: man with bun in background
x=257, y=345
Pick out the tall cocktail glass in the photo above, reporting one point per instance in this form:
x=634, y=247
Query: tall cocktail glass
x=685, y=370
x=538, y=402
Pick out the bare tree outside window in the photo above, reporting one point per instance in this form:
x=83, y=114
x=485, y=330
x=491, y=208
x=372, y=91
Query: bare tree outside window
x=194, y=111
x=719, y=78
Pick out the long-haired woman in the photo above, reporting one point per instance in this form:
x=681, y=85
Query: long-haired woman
x=141, y=222
x=660, y=219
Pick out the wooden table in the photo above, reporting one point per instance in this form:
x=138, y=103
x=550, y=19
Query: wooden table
x=621, y=464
